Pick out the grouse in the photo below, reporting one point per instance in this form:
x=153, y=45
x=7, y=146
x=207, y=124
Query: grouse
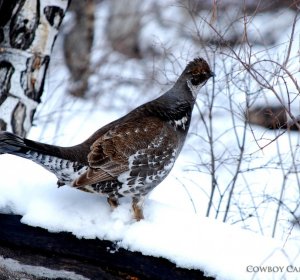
x=129, y=156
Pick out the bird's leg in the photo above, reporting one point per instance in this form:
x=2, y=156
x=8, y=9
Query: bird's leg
x=137, y=206
x=113, y=202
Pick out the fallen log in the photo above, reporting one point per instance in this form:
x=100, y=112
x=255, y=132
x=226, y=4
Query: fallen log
x=86, y=258
x=271, y=117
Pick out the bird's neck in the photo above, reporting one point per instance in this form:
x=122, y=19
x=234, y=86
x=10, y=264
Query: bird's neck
x=174, y=106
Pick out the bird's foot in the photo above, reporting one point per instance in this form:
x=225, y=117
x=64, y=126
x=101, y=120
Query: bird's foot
x=137, y=207
x=113, y=202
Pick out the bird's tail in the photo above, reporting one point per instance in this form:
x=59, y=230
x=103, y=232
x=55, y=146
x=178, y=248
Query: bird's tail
x=12, y=144
x=22, y=147
x=48, y=156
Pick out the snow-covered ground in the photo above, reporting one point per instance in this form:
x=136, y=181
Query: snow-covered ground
x=175, y=224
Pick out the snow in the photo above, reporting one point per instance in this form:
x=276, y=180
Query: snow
x=175, y=226
x=16, y=270
x=176, y=233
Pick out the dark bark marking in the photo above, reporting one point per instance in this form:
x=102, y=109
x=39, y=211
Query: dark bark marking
x=45, y=64
x=6, y=9
x=3, y=97
x=6, y=72
x=31, y=115
x=54, y=15
x=31, y=79
x=1, y=35
x=17, y=121
x=3, y=125
x=23, y=26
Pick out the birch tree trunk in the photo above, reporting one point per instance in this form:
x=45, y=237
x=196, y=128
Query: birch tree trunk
x=28, y=29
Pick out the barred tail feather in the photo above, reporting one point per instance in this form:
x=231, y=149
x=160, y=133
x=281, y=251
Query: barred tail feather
x=12, y=144
x=16, y=145
x=48, y=156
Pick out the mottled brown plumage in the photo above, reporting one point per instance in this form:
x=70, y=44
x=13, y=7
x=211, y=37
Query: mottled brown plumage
x=130, y=156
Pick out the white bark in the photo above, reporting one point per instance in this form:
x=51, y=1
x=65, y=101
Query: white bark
x=27, y=35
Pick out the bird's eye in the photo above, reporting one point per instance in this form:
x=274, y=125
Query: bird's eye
x=199, y=79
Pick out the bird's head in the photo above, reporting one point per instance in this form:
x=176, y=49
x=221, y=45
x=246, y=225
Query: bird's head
x=196, y=74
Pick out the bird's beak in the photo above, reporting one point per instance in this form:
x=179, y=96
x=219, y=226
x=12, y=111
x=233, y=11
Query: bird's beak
x=212, y=74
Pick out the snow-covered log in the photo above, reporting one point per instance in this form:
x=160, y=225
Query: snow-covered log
x=37, y=253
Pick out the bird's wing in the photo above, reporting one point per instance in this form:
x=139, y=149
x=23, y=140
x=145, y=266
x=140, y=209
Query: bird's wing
x=111, y=153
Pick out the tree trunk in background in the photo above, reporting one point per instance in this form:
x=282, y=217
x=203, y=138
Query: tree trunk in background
x=123, y=27
x=28, y=29
x=78, y=44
